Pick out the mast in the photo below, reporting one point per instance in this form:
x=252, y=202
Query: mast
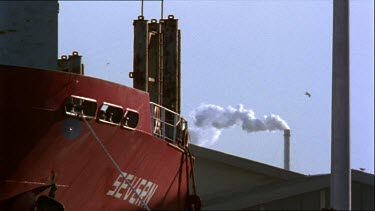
x=340, y=130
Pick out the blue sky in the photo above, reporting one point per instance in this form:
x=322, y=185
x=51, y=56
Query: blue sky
x=261, y=54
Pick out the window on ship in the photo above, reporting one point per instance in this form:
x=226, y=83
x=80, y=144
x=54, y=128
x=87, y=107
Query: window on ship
x=130, y=120
x=75, y=105
x=110, y=113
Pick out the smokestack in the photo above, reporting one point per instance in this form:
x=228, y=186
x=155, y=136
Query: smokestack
x=287, y=149
x=210, y=120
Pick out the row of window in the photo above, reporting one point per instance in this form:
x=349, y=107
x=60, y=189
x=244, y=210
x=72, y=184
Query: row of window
x=108, y=113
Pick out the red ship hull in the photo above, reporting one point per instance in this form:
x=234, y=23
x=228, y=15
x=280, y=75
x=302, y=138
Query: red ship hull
x=33, y=144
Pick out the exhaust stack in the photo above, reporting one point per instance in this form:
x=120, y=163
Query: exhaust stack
x=287, y=149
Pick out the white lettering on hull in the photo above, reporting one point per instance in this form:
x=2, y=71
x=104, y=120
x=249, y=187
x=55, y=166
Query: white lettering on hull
x=144, y=188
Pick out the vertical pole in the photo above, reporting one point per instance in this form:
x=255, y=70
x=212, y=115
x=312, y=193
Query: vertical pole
x=142, y=8
x=162, y=10
x=340, y=131
x=178, y=75
x=287, y=149
x=154, y=61
x=170, y=77
x=161, y=63
x=140, y=73
x=170, y=64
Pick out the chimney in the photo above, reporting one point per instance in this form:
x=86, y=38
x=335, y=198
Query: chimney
x=287, y=149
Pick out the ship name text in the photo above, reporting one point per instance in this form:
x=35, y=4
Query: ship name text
x=144, y=188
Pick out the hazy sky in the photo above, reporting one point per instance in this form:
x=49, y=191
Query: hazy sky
x=262, y=54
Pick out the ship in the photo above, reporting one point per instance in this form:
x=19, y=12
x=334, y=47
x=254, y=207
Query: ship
x=74, y=142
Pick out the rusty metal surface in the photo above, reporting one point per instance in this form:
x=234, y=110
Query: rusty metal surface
x=178, y=75
x=170, y=66
x=71, y=63
x=139, y=74
x=157, y=62
x=154, y=61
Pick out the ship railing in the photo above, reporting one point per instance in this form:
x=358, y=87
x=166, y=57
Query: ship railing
x=168, y=125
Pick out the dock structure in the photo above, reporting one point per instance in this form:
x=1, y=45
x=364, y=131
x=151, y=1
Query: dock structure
x=227, y=182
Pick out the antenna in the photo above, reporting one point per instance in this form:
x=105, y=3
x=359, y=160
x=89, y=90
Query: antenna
x=162, y=9
x=142, y=8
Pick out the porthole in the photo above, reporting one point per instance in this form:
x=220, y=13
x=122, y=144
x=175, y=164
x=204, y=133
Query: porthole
x=130, y=120
x=76, y=105
x=110, y=113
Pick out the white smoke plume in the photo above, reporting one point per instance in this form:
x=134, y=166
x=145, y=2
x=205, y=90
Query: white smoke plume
x=209, y=120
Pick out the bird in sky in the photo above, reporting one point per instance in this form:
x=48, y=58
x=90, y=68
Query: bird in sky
x=307, y=94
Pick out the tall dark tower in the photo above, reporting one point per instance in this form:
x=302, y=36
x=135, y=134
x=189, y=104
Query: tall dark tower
x=140, y=59
x=171, y=71
x=340, y=120
x=156, y=67
x=154, y=61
